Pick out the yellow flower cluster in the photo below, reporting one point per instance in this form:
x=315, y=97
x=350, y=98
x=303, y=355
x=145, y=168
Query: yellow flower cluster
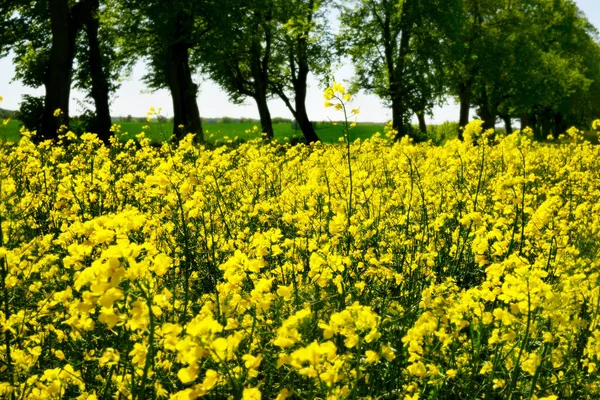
x=136, y=271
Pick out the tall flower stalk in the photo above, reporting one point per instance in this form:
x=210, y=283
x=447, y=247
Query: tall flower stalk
x=336, y=97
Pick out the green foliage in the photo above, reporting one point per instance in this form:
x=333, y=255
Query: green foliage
x=82, y=123
x=525, y=58
x=395, y=48
x=30, y=112
x=443, y=132
x=6, y=113
x=225, y=120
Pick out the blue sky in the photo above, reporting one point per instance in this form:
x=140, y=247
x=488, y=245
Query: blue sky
x=134, y=98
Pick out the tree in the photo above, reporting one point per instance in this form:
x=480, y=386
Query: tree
x=563, y=81
x=520, y=59
x=44, y=40
x=166, y=36
x=99, y=66
x=239, y=50
x=391, y=44
x=302, y=44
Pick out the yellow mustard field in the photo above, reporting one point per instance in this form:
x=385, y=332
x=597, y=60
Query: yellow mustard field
x=379, y=270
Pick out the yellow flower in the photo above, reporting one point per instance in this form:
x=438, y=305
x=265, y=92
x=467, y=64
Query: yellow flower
x=109, y=358
x=417, y=369
x=251, y=393
x=161, y=264
x=371, y=357
x=188, y=374
x=498, y=383
x=138, y=355
x=328, y=94
x=57, y=112
x=285, y=292
x=283, y=394
x=6, y=121
x=251, y=361
x=337, y=87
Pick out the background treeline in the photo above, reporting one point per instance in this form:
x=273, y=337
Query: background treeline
x=220, y=120
x=520, y=62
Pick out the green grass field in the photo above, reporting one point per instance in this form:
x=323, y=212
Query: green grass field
x=10, y=132
x=328, y=133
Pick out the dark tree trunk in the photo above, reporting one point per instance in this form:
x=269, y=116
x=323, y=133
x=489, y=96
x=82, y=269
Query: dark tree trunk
x=398, y=113
x=57, y=79
x=396, y=72
x=100, y=87
x=66, y=23
x=524, y=120
x=183, y=89
x=304, y=122
x=507, y=124
x=546, y=122
x=534, y=120
x=465, y=107
x=559, y=124
x=299, y=113
x=265, y=116
x=299, y=69
x=259, y=66
x=488, y=117
x=300, y=85
x=260, y=96
x=422, y=123
x=487, y=112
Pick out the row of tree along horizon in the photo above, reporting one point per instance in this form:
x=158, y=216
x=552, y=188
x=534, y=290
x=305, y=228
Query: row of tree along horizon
x=533, y=60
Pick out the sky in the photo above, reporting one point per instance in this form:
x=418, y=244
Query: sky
x=135, y=99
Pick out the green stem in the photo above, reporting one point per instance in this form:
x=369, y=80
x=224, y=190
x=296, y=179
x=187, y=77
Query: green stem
x=150, y=353
x=351, y=187
x=516, y=369
x=3, y=274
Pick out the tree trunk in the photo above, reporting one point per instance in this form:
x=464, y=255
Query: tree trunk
x=57, y=79
x=299, y=113
x=507, y=123
x=305, y=125
x=524, y=120
x=559, y=124
x=398, y=112
x=488, y=117
x=300, y=84
x=487, y=112
x=100, y=88
x=546, y=121
x=259, y=66
x=465, y=107
x=186, y=115
x=265, y=116
x=534, y=121
x=422, y=123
